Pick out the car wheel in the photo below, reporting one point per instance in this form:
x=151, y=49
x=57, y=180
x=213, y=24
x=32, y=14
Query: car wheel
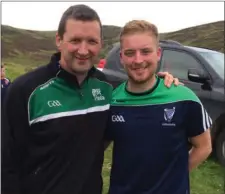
x=220, y=147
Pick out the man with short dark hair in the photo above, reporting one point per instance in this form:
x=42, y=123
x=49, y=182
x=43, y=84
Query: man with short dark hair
x=56, y=115
x=5, y=83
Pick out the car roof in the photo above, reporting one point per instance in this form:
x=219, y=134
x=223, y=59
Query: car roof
x=170, y=44
x=113, y=58
x=200, y=49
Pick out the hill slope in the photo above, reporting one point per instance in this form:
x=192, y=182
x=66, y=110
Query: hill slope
x=209, y=36
x=34, y=47
x=27, y=49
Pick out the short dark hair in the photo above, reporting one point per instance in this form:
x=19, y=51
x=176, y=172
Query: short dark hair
x=78, y=12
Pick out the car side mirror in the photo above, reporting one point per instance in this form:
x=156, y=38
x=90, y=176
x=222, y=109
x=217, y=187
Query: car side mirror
x=198, y=76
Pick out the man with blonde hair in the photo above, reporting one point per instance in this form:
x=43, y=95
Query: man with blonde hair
x=151, y=124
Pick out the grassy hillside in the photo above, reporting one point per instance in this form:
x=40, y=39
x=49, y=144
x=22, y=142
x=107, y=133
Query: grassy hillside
x=26, y=49
x=209, y=36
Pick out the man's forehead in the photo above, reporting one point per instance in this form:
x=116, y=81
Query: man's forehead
x=138, y=39
x=137, y=47
x=92, y=28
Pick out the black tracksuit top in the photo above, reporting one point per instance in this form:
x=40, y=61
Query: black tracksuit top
x=52, y=132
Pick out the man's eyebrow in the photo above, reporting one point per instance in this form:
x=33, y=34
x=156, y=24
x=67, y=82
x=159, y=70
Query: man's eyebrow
x=74, y=38
x=81, y=37
x=146, y=48
x=129, y=50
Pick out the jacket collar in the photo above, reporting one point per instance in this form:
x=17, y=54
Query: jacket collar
x=58, y=71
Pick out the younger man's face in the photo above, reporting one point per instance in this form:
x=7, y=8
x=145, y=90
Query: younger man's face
x=140, y=55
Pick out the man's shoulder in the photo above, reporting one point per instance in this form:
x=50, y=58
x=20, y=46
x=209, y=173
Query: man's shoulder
x=30, y=80
x=119, y=95
x=120, y=88
x=100, y=76
x=103, y=77
x=180, y=93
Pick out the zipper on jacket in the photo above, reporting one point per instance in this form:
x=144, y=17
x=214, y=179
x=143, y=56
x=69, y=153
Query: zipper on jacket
x=37, y=170
x=81, y=94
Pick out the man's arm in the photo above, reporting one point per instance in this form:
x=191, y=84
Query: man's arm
x=14, y=125
x=108, y=135
x=201, y=149
x=198, y=131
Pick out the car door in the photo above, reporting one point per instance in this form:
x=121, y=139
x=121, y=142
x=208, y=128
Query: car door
x=177, y=62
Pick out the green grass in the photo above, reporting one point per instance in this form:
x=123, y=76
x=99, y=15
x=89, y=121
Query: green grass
x=208, y=178
x=13, y=70
x=22, y=63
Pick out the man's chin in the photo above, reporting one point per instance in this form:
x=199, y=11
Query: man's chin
x=80, y=71
x=83, y=70
x=139, y=80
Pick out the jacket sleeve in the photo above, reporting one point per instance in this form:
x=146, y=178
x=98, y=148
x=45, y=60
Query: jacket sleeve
x=14, y=131
x=198, y=119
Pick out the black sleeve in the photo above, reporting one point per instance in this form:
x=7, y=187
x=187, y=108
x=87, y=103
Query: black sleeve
x=109, y=136
x=199, y=120
x=13, y=138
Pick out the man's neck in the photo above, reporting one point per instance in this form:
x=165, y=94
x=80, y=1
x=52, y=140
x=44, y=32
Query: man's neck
x=143, y=87
x=79, y=76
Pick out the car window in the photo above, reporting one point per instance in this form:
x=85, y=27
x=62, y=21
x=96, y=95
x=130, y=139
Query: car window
x=216, y=60
x=178, y=63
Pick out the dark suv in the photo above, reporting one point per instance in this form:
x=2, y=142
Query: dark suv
x=201, y=70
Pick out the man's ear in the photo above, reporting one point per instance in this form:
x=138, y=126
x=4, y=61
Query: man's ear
x=121, y=60
x=58, y=41
x=159, y=53
x=102, y=43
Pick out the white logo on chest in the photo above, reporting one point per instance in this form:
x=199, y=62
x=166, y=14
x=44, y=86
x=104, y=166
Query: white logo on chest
x=97, y=94
x=168, y=116
x=54, y=103
x=117, y=118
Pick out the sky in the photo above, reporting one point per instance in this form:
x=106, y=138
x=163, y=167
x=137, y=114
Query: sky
x=168, y=16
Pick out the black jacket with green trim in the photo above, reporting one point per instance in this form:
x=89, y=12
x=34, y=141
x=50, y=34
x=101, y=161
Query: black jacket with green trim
x=52, y=132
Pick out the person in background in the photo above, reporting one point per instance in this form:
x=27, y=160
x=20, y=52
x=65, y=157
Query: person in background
x=5, y=83
x=55, y=116
x=151, y=124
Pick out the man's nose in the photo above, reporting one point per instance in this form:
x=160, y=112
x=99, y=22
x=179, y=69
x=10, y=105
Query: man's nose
x=83, y=48
x=138, y=58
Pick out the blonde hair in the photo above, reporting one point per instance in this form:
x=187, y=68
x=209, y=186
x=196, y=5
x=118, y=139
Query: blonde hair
x=136, y=26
